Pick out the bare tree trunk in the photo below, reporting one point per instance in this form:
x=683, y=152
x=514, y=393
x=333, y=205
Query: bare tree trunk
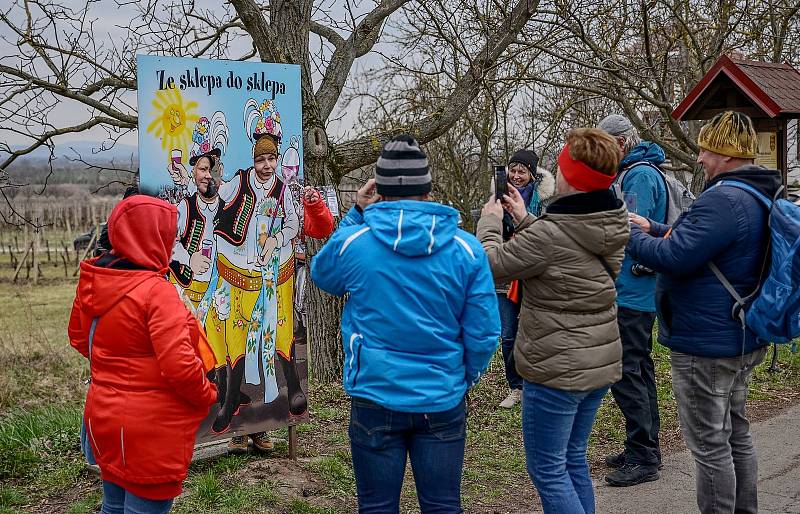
x=324, y=329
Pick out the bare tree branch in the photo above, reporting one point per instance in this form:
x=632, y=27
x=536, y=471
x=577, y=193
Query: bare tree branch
x=356, y=153
x=359, y=43
x=46, y=137
x=264, y=38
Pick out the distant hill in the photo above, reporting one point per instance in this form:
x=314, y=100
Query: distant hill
x=88, y=150
x=36, y=168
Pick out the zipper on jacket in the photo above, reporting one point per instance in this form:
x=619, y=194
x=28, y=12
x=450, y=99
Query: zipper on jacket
x=91, y=434
x=122, y=444
x=358, y=364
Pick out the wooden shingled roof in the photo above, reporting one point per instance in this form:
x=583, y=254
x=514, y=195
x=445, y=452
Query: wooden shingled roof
x=759, y=89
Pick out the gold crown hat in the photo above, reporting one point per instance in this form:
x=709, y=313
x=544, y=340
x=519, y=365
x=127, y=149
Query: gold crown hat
x=263, y=121
x=729, y=133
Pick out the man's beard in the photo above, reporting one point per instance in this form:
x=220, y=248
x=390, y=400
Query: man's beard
x=211, y=190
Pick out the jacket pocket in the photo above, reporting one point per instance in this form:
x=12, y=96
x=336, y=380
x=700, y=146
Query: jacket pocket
x=449, y=425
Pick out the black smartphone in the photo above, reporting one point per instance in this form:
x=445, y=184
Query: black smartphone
x=500, y=177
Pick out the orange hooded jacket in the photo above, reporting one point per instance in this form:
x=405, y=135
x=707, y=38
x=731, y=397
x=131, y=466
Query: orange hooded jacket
x=149, y=390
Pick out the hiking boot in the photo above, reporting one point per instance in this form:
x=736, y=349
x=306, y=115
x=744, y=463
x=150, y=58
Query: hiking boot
x=262, y=442
x=513, y=398
x=238, y=444
x=632, y=474
x=616, y=460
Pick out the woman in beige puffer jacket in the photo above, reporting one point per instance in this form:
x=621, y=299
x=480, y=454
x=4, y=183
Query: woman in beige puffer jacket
x=568, y=348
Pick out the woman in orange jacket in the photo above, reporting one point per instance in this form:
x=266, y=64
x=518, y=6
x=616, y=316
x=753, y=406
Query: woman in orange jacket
x=148, y=389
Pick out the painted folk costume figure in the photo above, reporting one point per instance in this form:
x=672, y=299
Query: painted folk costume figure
x=192, y=254
x=251, y=311
x=247, y=306
x=191, y=266
x=191, y=269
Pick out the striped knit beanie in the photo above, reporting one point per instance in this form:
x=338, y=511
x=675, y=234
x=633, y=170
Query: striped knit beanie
x=402, y=169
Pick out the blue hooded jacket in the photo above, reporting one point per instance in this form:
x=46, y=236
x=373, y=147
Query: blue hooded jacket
x=421, y=322
x=729, y=226
x=638, y=293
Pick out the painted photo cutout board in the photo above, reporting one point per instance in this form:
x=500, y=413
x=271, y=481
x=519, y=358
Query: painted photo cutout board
x=238, y=227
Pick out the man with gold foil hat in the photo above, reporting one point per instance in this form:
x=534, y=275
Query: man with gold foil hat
x=713, y=352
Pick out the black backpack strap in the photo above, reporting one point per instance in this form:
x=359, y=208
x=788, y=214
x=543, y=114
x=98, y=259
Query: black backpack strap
x=606, y=266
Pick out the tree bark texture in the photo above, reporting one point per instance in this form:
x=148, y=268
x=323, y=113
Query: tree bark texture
x=324, y=314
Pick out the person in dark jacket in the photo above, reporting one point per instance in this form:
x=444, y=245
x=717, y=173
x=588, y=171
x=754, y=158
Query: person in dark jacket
x=103, y=242
x=713, y=353
x=645, y=192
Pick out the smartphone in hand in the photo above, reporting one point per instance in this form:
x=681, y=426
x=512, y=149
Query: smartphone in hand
x=500, y=182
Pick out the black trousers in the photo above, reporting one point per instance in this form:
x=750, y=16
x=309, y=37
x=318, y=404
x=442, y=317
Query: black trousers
x=635, y=393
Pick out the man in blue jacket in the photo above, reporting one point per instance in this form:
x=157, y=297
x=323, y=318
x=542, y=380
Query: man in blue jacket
x=645, y=191
x=419, y=328
x=713, y=354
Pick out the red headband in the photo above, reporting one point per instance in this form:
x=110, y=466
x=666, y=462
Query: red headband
x=580, y=175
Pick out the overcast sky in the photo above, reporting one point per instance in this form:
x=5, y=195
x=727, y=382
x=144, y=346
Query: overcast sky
x=109, y=17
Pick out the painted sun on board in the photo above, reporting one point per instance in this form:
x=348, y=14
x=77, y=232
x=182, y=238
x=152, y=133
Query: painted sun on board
x=173, y=119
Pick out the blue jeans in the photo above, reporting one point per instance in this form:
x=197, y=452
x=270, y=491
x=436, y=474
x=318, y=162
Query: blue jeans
x=117, y=500
x=555, y=428
x=381, y=438
x=509, y=321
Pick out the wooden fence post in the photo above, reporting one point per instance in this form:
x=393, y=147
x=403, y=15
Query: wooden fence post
x=35, y=260
x=292, y=442
x=86, y=253
x=23, y=261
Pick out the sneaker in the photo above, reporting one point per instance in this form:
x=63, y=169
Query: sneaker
x=262, y=442
x=632, y=474
x=616, y=460
x=513, y=398
x=238, y=444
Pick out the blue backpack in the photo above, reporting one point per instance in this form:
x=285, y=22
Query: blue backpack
x=772, y=311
